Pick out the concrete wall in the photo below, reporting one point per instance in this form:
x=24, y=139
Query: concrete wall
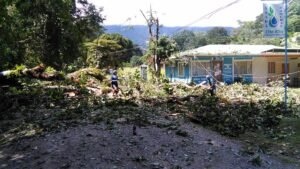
x=260, y=70
x=293, y=67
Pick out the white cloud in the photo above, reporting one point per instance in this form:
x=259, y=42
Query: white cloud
x=179, y=12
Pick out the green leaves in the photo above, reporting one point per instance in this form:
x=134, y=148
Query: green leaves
x=46, y=31
x=166, y=47
x=109, y=50
x=189, y=40
x=271, y=11
x=233, y=112
x=218, y=35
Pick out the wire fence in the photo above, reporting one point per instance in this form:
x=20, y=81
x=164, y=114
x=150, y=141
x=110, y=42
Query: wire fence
x=277, y=76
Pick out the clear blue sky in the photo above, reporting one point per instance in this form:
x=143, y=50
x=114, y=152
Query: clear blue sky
x=179, y=12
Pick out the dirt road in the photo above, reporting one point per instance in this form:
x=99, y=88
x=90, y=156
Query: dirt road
x=186, y=146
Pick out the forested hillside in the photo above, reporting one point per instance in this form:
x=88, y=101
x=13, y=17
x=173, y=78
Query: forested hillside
x=139, y=33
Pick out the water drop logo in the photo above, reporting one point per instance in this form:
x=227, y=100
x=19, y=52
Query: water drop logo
x=273, y=22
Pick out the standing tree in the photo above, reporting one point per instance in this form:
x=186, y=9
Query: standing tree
x=166, y=47
x=188, y=39
x=12, y=35
x=200, y=39
x=251, y=32
x=129, y=49
x=218, y=35
x=185, y=39
x=110, y=50
x=159, y=48
x=153, y=28
x=294, y=16
x=102, y=52
x=46, y=31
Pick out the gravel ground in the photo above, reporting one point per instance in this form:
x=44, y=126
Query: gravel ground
x=115, y=146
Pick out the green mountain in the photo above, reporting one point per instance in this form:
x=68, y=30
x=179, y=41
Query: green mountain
x=139, y=33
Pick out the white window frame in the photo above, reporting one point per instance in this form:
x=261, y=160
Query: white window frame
x=183, y=69
x=202, y=61
x=244, y=60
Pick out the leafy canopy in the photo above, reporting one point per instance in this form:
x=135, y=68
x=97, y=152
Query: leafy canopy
x=110, y=50
x=46, y=31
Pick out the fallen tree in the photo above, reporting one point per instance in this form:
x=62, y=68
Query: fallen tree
x=37, y=72
x=9, y=77
x=94, y=72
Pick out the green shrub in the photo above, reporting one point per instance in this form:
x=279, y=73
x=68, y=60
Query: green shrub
x=17, y=71
x=136, y=61
x=168, y=88
x=50, y=70
x=239, y=108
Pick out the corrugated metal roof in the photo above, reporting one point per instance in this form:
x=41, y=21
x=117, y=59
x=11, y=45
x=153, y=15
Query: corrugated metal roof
x=223, y=50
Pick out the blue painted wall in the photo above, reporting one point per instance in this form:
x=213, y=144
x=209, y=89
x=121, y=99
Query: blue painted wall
x=168, y=72
x=172, y=73
x=227, y=71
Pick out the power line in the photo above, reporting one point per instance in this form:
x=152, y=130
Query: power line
x=206, y=16
x=125, y=50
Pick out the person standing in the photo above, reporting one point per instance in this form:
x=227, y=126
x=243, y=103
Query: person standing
x=212, y=85
x=114, y=83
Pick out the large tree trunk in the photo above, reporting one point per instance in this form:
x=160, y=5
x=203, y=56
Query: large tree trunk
x=157, y=66
x=8, y=77
x=38, y=72
x=94, y=72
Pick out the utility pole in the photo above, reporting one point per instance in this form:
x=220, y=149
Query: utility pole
x=153, y=29
x=286, y=54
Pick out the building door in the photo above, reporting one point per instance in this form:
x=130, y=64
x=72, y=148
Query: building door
x=217, y=70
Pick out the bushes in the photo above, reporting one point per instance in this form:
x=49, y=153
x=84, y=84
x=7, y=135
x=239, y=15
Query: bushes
x=235, y=116
x=136, y=61
x=168, y=89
